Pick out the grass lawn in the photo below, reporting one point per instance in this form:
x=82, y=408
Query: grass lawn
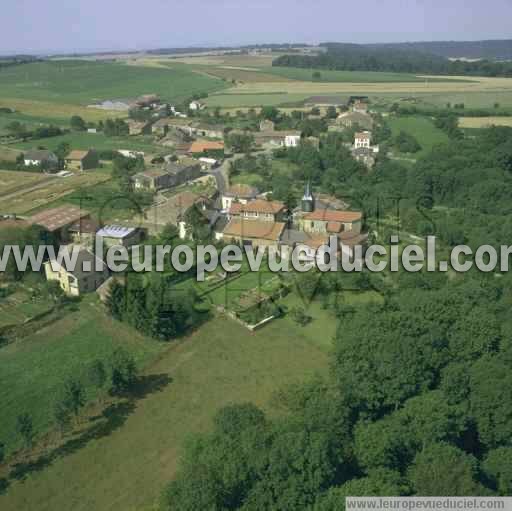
x=83, y=82
x=422, y=128
x=127, y=468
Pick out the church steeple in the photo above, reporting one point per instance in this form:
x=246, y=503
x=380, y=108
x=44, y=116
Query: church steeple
x=308, y=201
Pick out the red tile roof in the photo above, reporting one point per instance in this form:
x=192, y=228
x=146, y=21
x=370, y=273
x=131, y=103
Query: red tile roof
x=331, y=215
x=257, y=206
x=254, y=229
x=57, y=218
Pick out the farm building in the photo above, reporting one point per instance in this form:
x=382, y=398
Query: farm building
x=259, y=209
x=174, y=174
x=252, y=232
x=116, y=235
x=57, y=221
x=205, y=146
x=84, y=231
x=329, y=221
x=41, y=158
x=352, y=119
x=82, y=160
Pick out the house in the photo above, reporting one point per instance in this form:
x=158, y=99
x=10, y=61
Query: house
x=329, y=221
x=238, y=193
x=41, y=158
x=131, y=154
x=83, y=232
x=212, y=220
x=82, y=160
x=267, y=125
x=160, y=127
x=85, y=277
x=196, y=106
x=119, y=236
x=208, y=131
x=258, y=209
x=362, y=120
x=360, y=106
x=147, y=101
x=252, y=232
x=292, y=139
x=364, y=155
x=306, y=244
x=362, y=139
x=174, y=174
x=205, y=146
x=208, y=164
x=152, y=180
x=57, y=221
x=139, y=127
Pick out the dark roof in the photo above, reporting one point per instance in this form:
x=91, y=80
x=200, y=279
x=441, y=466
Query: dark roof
x=39, y=155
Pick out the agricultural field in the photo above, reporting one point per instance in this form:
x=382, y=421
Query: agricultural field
x=484, y=122
x=98, y=141
x=221, y=363
x=42, y=190
x=421, y=128
x=11, y=180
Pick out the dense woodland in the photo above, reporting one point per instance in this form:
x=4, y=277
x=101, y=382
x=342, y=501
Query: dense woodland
x=419, y=396
x=354, y=57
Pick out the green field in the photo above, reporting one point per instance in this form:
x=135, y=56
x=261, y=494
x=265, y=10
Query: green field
x=422, y=129
x=84, y=82
x=34, y=367
x=306, y=75
x=126, y=468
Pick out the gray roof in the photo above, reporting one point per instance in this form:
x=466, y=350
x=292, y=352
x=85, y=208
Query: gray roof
x=292, y=236
x=39, y=155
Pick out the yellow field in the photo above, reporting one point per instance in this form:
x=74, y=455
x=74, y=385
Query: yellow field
x=56, y=110
x=42, y=189
x=484, y=122
x=12, y=179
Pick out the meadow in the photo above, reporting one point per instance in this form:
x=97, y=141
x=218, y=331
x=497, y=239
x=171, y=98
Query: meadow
x=484, y=122
x=219, y=364
x=422, y=128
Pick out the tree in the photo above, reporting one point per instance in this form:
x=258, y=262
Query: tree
x=97, y=374
x=2, y=452
x=25, y=429
x=240, y=142
x=317, y=75
x=406, y=143
x=77, y=123
x=270, y=113
x=116, y=301
x=235, y=419
x=331, y=112
x=299, y=315
x=498, y=467
x=62, y=414
x=442, y=469
x=123, y=371
x=74, y=395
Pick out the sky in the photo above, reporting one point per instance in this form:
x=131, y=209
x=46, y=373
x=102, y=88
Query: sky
x=51, y=26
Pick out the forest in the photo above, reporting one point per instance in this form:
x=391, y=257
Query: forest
x=354, y=57
x=418, y=400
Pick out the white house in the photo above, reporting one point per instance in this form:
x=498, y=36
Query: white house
x=292, y=140
x=196, y=105
x=40, y=157
x=362, y=139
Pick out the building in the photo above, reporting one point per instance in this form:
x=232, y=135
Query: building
x=329, y=221
x=119, y=236
x=85, y=277
x=131, y=154
x=147, y=101
x=83, y=232
x=139, y=127
x=205, y=146
x=57, y=221
x=82, y=160
x=41, y=158
x=252, y=232
x=258, y=209
x=238, y=193
x=174, y=174
x=360, y=106
x=292, y=139
x=196, y=106
x=306, y=244
x=160, y=127
x=267, y=125
x=361, y=120
x=365, y=156
x=362, y=139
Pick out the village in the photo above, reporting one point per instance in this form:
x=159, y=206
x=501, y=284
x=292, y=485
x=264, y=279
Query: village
x=191, y=186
